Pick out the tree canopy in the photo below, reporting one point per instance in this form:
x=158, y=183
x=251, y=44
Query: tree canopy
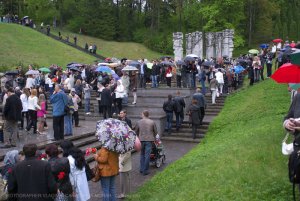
x=152, y=22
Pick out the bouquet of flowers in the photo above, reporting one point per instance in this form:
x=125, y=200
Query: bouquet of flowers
x=89, y=151
x=61, y=175
x=42, y=157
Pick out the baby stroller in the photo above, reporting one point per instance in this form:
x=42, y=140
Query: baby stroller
x=157, y=156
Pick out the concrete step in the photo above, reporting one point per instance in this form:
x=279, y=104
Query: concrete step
x=184, y=135
x=181, y=139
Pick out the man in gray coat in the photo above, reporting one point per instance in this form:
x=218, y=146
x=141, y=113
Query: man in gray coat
x=146, y=130
x=201, y=102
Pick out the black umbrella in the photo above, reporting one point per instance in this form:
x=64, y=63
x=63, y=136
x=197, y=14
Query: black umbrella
x=208, y=63
x=163, y=57
x=74, y=69
x=12, y=72
x=188, y=59
x=134, y=63
x=227, y=62
x=225, y=56
x=167, y=63
x=179, y=62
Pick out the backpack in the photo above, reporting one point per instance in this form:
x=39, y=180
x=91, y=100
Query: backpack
x=294, y=169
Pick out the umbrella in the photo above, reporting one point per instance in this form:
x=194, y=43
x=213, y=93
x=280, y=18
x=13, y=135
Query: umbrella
x=192, y=55
x=167, y=63
x=129, y=68
x=227, y=62
x=188, y=59
x=74, y=69
x=104, y=69
x=149, y=65
x=163, y=57
x=287, y=73
x=293, y=45
x=295, y=57
x=25, y=17
x=134, y=63
x=253, y=51
x=179, y=62
x=225, y=56
x=1, y=74
x=13, y=72
x=278, y=40
x=115, y=135
x=32, y=72
x=74, y=65
x=45, y=70
x=242, y=60
x=115, y=76
x=294, y=86
x=264, y=46
x=238, y=69
x=208, y=63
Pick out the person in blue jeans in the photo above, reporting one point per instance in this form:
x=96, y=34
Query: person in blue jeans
x=168, y=107
x=146, y=130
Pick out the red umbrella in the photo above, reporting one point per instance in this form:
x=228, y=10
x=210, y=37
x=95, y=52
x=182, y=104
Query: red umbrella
x=287, y=73
x=292, y=45
x=278, y=40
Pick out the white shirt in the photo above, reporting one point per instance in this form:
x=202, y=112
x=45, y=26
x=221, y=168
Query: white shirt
x=24, y=100
x=219, y=77
x=274, y=49
x=49, y=82
x=33, y=103
x=30, y=82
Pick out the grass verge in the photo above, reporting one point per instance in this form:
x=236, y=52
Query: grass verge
x=22, y=46
x=240, y=157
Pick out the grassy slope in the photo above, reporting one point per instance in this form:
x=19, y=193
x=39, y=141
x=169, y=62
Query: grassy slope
x=129, y=50
x=240, y=158
x=21, y=44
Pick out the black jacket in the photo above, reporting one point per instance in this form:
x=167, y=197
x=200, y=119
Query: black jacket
x=13, y=108
x=106, y=98
x=179, y=104
x=168, y=106
x=195, y=114
x=33, y=179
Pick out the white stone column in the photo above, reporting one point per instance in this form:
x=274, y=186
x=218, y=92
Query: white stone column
x=219, y=38
x=177, y=45
x=188, y=38
x=230, y=42
x=197, y=44
x=225, y=42
x=209, y=45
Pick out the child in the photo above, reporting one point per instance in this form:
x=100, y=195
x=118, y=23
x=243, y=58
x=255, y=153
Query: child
x=41, y=113
x=124, y=170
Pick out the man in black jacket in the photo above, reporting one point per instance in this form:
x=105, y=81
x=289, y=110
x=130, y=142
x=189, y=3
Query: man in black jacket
x=123, y=117
x=31, y=179
x=201, y=102
x=179, y=109
x=12, y=114
x=168, y=107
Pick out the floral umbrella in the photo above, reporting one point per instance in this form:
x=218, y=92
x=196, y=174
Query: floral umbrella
x=115, y=135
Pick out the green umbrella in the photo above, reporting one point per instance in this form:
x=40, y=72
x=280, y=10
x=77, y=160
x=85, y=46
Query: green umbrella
x=295, y=57
x=253, y=51
x=149, y=65
x=294, y=86
x=45, y=70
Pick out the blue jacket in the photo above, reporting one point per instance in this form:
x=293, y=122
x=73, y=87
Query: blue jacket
x=59, y=101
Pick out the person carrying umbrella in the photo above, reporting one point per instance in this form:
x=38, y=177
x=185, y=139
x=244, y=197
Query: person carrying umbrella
x=146, y=130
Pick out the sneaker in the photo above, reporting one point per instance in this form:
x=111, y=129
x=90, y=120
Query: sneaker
x=133, y=103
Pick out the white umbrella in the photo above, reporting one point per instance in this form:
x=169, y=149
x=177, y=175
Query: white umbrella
x=32, y=72
x=129, y=68
x=192, y=55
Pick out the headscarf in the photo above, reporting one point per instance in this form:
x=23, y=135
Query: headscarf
x=11, y=157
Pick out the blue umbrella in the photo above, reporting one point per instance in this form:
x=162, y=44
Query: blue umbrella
x=104, y=69
x=179, y=62
x=238, y=69
x=115, y=76
x=264, y=46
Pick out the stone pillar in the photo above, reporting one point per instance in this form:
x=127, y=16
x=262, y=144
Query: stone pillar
x=225, y=42
x=197, y=44
x=230, y=42
x=209, y=45
x=188, y=38
x=177, y=45
x=219, y=39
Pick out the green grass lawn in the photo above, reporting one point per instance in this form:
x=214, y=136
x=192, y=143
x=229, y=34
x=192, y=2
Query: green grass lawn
x=129, y=50
x=240, y=157
x=23, y=45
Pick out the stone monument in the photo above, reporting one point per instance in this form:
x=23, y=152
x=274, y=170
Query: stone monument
x=230, y=42
x=209, y=45
x=177, y=45
x=219, y=39
x=188, y=38
x=197, y=44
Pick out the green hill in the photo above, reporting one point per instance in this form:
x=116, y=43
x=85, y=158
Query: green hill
x=23, y=45
x=239, y=159
x=129, y=50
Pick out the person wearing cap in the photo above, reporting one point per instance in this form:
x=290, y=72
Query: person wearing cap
x=59, y=101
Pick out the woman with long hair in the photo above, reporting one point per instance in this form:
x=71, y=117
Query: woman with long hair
x=41, y=113
x=77, y=174
x=24, y=98
x=32, y=111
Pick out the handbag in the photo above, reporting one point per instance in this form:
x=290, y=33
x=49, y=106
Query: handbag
x=89, y=173
x=96, y=172
x=137, y=144
x=287, y=149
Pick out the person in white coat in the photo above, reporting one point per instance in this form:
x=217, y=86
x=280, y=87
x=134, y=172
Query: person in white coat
x=125, y=167
x=77, y=175
x=220, y=78
x=120, y=94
